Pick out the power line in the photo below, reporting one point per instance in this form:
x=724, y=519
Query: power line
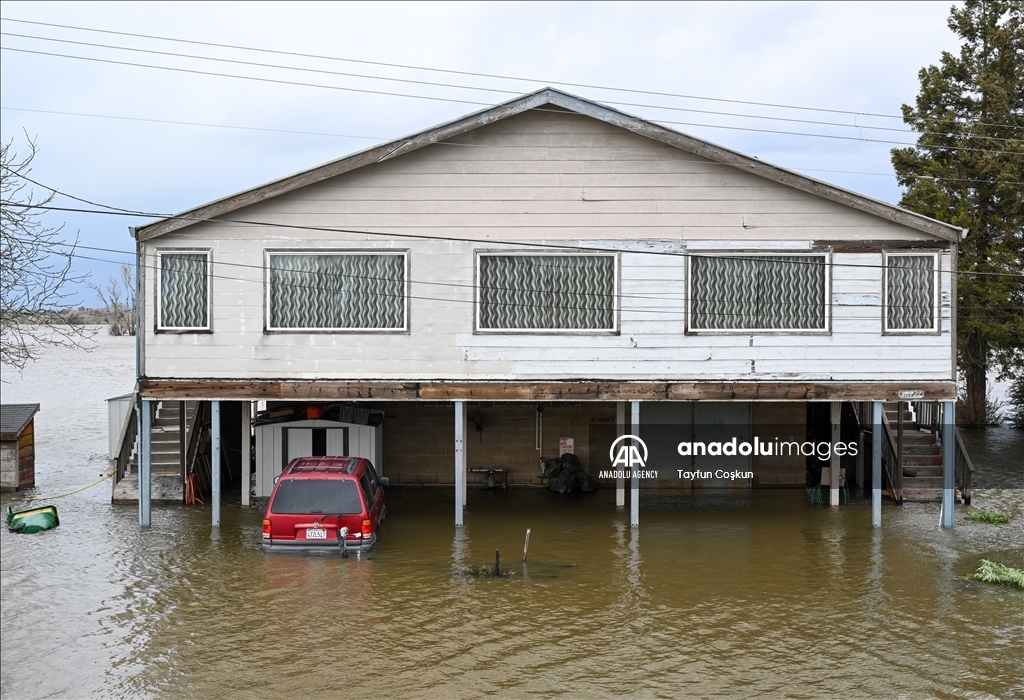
x=519, y=244
x=468, y=73
x=482, y=89
x=683, y=310
x=468, y=102
x=477, y=287
x=458, y=101
x=448, y=143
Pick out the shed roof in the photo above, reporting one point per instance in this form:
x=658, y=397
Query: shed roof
x=14, y=417
x=534, y=100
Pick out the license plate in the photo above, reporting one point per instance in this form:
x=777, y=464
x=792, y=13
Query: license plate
x=316, y=534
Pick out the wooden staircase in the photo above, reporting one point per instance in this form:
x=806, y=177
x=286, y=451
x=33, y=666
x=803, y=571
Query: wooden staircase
x=922, y=458
x=168, y=478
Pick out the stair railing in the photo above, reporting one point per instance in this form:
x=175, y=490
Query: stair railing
x=964, y=470
x=929, y=415
x=891, y=460
x=126, y=442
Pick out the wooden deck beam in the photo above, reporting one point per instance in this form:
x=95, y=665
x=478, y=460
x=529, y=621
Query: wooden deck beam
x=582, y=390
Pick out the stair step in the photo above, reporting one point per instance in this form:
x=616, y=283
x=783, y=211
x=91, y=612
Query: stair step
x=922, y=482
x=922, y=461
x=920, y=471
x=922, y=495
x=921, y=449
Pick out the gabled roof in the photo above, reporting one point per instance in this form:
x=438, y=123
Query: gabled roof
x=548, y=96
x=14, y=417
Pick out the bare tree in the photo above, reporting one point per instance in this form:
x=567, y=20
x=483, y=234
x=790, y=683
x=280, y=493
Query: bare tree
x=118, y=299
x=35, y=268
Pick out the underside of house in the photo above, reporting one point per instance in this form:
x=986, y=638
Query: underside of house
x=544, y=278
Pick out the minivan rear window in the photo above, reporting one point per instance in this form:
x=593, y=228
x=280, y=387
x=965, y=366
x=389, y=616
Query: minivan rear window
x=316, y=496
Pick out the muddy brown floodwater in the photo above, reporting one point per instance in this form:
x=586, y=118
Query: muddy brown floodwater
x=716, y=595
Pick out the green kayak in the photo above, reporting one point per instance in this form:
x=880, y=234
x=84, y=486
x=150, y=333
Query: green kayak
x=33, y=520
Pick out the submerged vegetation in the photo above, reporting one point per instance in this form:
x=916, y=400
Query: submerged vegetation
x=988, y=515
x=991, y=572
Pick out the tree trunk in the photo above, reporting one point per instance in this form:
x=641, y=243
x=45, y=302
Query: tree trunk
x=975, y=366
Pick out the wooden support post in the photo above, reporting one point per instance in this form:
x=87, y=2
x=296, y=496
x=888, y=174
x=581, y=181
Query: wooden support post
x=215, y=462
x=146, y=464
x=948, y=461
x=620, y=429
x=876, y=463
x=246, y=449
x=836, y=414
x=634, y=479
x=460, y=460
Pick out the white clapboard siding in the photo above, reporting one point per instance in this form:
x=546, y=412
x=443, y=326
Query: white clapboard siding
x=560, y=179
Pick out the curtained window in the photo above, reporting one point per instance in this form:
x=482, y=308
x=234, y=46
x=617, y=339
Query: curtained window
x=910, y=291
x=758, y=293
x=184, y=290
x=546, y=292
x=337, y=291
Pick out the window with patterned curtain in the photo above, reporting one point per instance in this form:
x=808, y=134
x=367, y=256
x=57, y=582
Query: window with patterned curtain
x=771, y=292
x=337, y=291
x=546, y=292
x=910, y=292
x=184, y=291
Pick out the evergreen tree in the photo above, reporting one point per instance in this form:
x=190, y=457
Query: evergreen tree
x=967, y=169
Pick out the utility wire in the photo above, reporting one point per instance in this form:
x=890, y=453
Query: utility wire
x=459, y=101
x=478, y=287
x=826, y=313
x=484, y=89
x=118, y=211
x=469, y=73
x=489, y=241
x=453, y=144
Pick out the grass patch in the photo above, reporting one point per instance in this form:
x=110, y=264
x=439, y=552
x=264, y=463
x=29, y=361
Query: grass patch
x=991, y=572
x=989, y=515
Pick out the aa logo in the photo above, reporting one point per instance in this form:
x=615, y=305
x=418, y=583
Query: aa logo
x=628, y=454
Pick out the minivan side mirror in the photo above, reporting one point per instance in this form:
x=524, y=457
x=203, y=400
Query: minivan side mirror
x=277, y=478
x=384, y=481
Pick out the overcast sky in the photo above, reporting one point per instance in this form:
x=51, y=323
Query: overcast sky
x=851, y=57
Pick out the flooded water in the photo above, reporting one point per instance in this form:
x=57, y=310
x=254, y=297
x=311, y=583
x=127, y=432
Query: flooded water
x=740, y=595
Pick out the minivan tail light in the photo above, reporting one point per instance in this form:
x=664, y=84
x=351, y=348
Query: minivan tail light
x=367, y=528
x=266, y=529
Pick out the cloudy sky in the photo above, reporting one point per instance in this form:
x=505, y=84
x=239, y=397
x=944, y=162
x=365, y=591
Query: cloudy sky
x=159, y=140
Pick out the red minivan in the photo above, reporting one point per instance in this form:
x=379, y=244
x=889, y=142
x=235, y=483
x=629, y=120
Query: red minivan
x=323, y=504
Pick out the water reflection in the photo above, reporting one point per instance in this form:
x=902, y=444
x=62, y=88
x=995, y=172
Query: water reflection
x=750, y=594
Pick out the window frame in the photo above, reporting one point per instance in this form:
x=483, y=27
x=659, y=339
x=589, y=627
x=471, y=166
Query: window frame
x=158, y=325
x=936, y=327
x=478, y=288
x=826, y=328
x=268, y=252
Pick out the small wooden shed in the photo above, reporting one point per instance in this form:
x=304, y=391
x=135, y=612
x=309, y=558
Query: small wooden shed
x=17, y=446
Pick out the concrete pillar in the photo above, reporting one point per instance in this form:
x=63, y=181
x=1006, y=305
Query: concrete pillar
x=246, y=449
x=145, y=463
x=835, y=415
x=860, y=446
x=215, y=462
x=182, y=448
x=620, y=429
x=634, y=480
x=876, y=463
x=460, y=460
x=948, y=461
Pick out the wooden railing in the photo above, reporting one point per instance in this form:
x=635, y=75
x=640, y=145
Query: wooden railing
x=964, y=470
x=929, y=415
x=126, y=442
x=891, y=461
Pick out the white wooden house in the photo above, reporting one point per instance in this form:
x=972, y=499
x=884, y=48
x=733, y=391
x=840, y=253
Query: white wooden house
x=551, y=253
